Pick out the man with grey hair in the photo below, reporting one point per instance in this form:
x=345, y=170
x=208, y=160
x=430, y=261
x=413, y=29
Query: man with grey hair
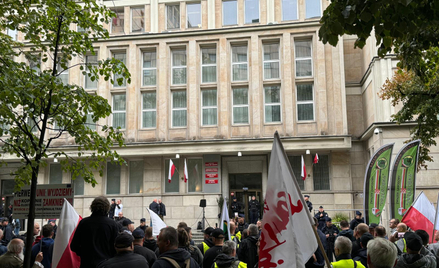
x=14, y=257
x=343, y=248
x=227, y=257
x=381, y=253
x=248, y=250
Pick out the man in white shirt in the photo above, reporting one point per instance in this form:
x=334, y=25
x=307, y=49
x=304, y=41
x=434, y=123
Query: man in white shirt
x=118, y=208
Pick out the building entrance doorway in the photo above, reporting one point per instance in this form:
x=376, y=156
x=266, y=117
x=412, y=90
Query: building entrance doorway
x=244, y=186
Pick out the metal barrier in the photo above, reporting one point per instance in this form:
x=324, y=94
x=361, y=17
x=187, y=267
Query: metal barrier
x=350, y=214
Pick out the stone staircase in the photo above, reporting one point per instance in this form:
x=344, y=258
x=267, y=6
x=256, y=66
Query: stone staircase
x=197, y=236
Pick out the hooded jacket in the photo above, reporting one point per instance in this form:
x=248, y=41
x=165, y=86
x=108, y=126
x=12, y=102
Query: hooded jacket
x=248, y=251
x=46, y=248
x=225, y=261
x=150, y=244
x=362, y=256
x=208, y=242
x=347, y=233
x=416, y=261
x=125, y=259
x=179, y=255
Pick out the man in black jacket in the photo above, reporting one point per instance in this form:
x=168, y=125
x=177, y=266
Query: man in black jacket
x=125, y=256
x=149, y=241
x=227, y=257
x=94, y=238
x=162, y=209
x=321, y=217
x=358, y=219
x=248, y=250
x=207, y=242
x=170, y=255
x=210, y=255
x=112, y=208
x=362, y=253
x=148, y=254
x=254, y=207
x=331, y=231
x=154, y=207
x=308, y=203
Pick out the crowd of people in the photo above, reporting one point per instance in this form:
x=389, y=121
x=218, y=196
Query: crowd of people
x=105, y=241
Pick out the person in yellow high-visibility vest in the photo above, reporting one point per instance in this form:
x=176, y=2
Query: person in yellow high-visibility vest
x=343, y=248
x=227, y=257
x=234, y=237
x=207, y=243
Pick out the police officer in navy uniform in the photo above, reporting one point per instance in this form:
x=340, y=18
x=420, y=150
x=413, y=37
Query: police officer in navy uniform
x=236, y=207
x=321, y=217
x=308, y=203
x=254, y=208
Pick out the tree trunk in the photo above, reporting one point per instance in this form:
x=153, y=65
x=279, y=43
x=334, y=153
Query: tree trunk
x=31, y=219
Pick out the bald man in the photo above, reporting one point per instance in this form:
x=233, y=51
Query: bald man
x=154, y=206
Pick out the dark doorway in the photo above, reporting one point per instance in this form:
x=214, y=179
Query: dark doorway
x=244, y=186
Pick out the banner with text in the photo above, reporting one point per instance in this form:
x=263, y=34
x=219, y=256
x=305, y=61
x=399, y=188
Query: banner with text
x=402, y=186
x=376, y=181
x=48, y=203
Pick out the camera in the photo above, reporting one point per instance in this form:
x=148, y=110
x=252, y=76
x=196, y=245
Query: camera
x=377, y=131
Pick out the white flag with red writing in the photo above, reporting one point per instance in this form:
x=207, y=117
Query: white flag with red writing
x=287, y=238
x=171, y=170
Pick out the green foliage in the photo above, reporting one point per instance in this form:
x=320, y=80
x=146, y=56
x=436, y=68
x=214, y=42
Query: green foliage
x=338, y=218
x=410, y=29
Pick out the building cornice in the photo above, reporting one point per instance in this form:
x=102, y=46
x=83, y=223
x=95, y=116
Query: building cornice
x=369, y=131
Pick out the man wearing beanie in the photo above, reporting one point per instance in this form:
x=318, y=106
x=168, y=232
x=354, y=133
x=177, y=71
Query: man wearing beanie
x=125, y=256
x=413, y=258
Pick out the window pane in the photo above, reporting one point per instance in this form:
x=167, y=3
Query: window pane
x=138, y=19
x=63, y=73
x=119, y=102
x=90, y=59
x=289, y=9
x=304, y=92
x=149, y=100
x=179, y=58
x=271, y=52
x=149, y=59
x=122, y=57
x=193, y=15
x=13, y=34
x=230, y=12
x=78, y=185
x=305, y=112
x=272, y=94
x=239, y=72
x=321, y=173
x=149, y=77
x=239, y=54
x=272, y=113
x=251, y=11
x=209, y=97
x=149, y=119
x=313, y=9
x=240, y=115
x=209, y=74
x=303, y=68
x=173, y=186
x=303, y=49
x=173, y=16
x=119, y=120
x=271, y=70
x=179, y=99
x=296, y=165
x=209, y=117
x=136, y=177
x=179, y=118
x=208, y=55
x=55, y=174
x=194, y=170
x=117, y=23
x=113, y=178
x=90, y=124
x=179, y=76
x=240, y=96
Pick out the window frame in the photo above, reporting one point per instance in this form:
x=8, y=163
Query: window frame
x=177, y=109
x=115, y=85
x=240, y=106
x=239, y=63
x=111, y=24
x=222, y=12
x=65, y=72
x=132, y=17
x=303, y=58
x=320, y=13
x=129, y=176
x=179, y=66
x=259, y=13
x=148, y=110
x=148, y=68
x=306, y=102
x=179, y=16
x=321, y=156
x=87, y=71
x=297, y=10
x=271, y=61
x=209, y=65
x=208, y=107
x=118, y=112
x=273, y=104
x=187, y=16
x=106, y=178
x=166, y=173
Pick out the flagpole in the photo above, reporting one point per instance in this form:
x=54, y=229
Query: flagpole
x=311, y=221
x=435, y=217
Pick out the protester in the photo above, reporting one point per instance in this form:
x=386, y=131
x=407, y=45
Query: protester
x=125, y=256
x=372, y=227
x=189, y=232
x=413, y=258
x=358, y=219
x=321, y=217
x=94, y=237
x=217, y=236
x=112, y=208
x=259, y=225
x=317, y=260
x=45, y=246
x=170, y=255
x=3, y=248
x=398, y=237
x=343, y=248
x=148, y=254
x=17, y=225
x=36, y=232
x=184, y=243
x=227, y=257
x=55, y=227
x=425, y=237
x=118, y=209
x=248, y=250
x=362, y=253
x=393, y=224
x=380, y=231
x=128, y=225
x=362, y=228
x=234, y=237
x=435, y=246
x=8, y=233
x=331, y=231
x=308, y=203
x=154, y=207
x=14, y=256
x=162, y=209
x=381, y=253
x=149, y=241
x=346, y=231
x=207, y=242
x=242, y=225
x=143, y=224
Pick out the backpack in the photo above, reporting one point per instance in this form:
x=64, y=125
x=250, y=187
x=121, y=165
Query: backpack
x=175, y=264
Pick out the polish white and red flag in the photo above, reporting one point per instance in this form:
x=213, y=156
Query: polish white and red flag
x=185, y=171
x=316, y=159
x=62, y=256
x=287, y=238
x=171, y=170
x=421, y=215
x=303, y=173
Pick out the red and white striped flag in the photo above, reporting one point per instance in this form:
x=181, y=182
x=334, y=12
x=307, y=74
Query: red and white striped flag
x=63, y=257
x=420, y=215
x=316, y=159
x=287, y=238
x=185, y=171
x=171, y=170
x=303, y=173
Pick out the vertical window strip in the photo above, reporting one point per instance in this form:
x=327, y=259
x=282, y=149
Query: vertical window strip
x=209, y=113
x=230, y=12
x=137, y=19
x=90, y=60
x=272, y=104
x=289, y=10
x=149, y=68
x=149, y=109
x=239, y=63
x=173, y=16
x=193, y=15
x=240, y=111
x=303, y=60
x=122, y=56
x=179, y=65
x=251, y=11
x=119, y=111
x=321, y=173
x=208, y=65
x=117, y=23
x=305, y=102
x=271, y=61
x=179, y=109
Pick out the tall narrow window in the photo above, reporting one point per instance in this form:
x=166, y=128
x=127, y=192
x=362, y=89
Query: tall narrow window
x=117, y=23
x=240, y=106
x=303, y=58
x=78, y=185
x=195, y=182
x=173, y=16
x=193, y=12
x=209, y=107
x=271, y=61
x=136, y=177
x=251, y=11
x=172, y=186
x=296, y=165
x=119, y=111
x=89, y=122
x=137, y=19
x=230, y=12
x=149, y=109
x=321, y=173
x=272, y=104
x=179, y=67
x=179, y=109
x=208, y=65
x=55, y=174
x=149, y=67
x=313, y=9
x=305, y=102
x=239, y=63
x=113, y=178
x=289, y=10
x=90, y=60
x=123, y=58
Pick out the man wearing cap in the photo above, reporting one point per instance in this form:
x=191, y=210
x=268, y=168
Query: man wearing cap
x=331, y=231
x=94, y=237
x=55, y=227
x=149, y=255
x=358, y=219
x=372, y=227
x=308, y=203
x=362, y=253
x=128, y=225
x=170, y=255
x=218, y=240
x=125, y=256
x=112, y=208
x=207, y=243
x=142, y=224
x=343, y=248
x=321, y=217
x=413, y=258
x=118, y=208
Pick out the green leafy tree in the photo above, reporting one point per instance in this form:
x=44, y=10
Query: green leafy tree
x=410, y=29
x=37, y=108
